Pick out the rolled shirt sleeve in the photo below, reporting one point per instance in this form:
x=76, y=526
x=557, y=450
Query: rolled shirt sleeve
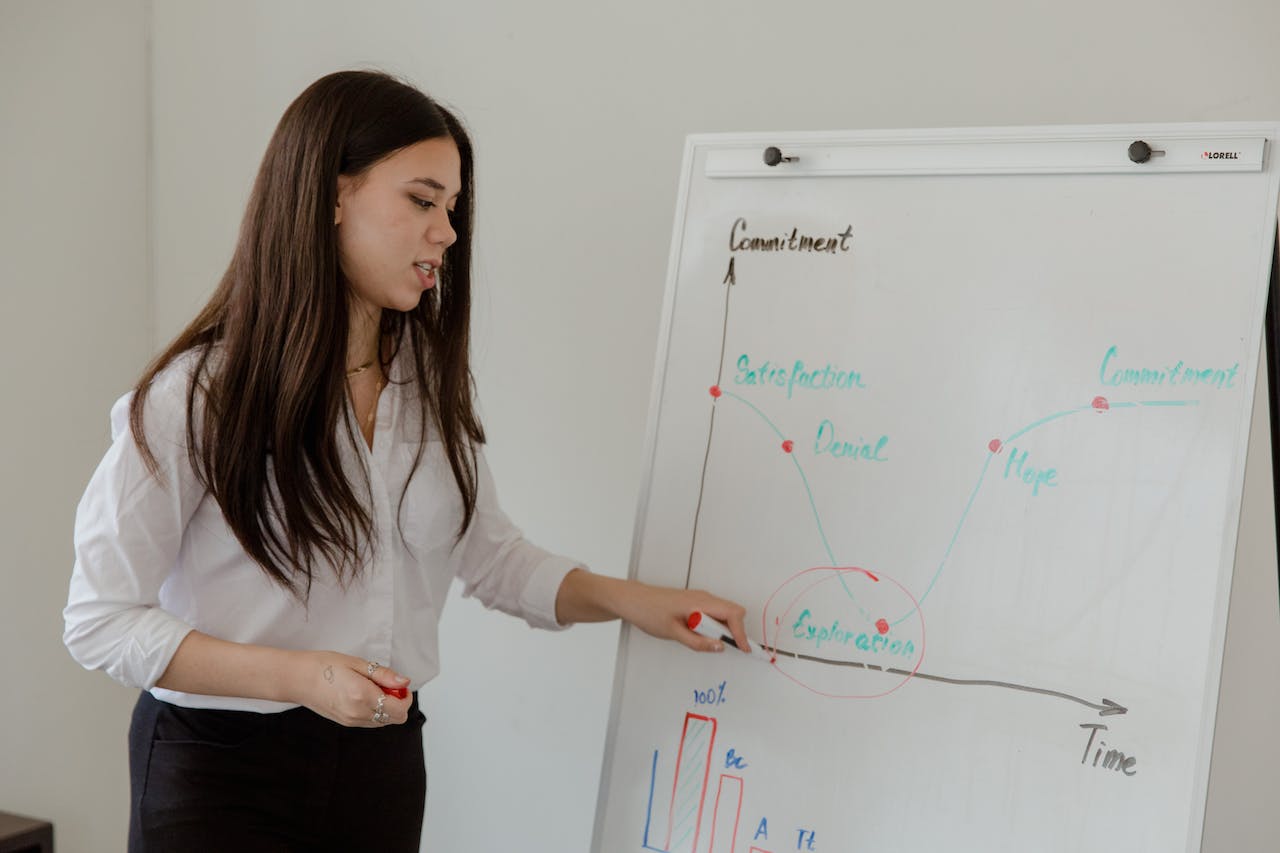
x=128, y=534
x=501, y=568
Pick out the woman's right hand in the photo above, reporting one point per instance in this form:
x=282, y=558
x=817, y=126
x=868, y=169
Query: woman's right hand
x=341, y=688
x=336, y=686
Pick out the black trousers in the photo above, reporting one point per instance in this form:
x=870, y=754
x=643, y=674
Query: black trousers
x=204, y=780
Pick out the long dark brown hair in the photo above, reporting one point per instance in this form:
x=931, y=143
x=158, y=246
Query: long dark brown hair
x=274, y=395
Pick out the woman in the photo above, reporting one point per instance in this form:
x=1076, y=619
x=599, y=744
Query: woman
x=292, y=486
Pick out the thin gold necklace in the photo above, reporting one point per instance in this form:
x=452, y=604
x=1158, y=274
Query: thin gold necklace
x=373, y=409
x=356, y=371
x=377, y=391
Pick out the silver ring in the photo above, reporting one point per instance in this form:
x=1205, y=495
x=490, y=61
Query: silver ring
x=380, y=716
x=374, y=666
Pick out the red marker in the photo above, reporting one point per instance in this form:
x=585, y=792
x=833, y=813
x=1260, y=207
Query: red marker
x=398, y=692
x=701, y=623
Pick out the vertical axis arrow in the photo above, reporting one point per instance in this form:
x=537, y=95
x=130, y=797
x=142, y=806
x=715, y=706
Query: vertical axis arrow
x=730, y=279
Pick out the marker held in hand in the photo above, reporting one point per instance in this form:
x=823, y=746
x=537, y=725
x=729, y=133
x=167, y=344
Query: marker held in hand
x=707, y=626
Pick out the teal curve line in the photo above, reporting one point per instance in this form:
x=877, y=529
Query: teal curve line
x=983, y=475
x=946, y=555
x=955, y=536
x=1044, y=421
x=753, y=408
x=840, y=577
x=972, y=497
x=817, y=517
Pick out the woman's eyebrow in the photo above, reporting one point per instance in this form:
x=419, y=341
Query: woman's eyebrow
x=432, y=183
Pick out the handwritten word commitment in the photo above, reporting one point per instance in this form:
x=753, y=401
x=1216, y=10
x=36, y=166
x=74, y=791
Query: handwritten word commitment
x=1174, y=374
x=828, y=378
x=792, y=242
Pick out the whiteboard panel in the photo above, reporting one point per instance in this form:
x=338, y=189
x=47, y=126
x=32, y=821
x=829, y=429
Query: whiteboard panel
x=969, y=446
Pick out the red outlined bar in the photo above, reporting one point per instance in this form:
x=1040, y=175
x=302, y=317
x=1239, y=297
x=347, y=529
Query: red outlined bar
x=733, y=806
x=689, y=791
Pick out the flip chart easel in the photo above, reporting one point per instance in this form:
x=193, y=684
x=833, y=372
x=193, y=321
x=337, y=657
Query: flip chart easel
x=961, y=417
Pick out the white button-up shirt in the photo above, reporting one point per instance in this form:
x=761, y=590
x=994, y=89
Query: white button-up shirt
x=155, y=558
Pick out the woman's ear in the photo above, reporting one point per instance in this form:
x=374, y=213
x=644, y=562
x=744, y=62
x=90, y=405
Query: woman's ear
x=344, y=186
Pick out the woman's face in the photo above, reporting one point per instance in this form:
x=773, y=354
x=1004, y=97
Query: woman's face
x=393, y=223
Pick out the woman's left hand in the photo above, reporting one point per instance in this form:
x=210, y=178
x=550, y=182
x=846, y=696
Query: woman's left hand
x=664, y=613
x=659, y=611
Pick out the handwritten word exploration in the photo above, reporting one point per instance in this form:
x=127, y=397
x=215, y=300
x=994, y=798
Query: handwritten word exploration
x=804, y=629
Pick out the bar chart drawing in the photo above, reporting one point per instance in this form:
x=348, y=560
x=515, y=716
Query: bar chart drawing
x=725, y=815
x=688, y=792
x=689, y=795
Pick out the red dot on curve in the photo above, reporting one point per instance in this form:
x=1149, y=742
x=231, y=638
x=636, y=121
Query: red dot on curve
x=788, y=445
x=1101, y=404
x=715, y=391
x=995, y=445
x=882, y=626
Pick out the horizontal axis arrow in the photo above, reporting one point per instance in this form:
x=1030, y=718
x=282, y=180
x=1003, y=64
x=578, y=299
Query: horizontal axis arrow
x=1106, y=708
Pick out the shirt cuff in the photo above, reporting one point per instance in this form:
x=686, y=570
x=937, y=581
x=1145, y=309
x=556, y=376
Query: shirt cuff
x=538, y=599
x=138, y=658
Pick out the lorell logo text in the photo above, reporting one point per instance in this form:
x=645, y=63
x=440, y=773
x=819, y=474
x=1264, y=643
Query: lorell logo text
x=1220, y=155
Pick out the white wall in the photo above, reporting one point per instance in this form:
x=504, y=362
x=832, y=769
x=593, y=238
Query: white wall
x=1244, y=786
x=75, y=330
x=579, y=111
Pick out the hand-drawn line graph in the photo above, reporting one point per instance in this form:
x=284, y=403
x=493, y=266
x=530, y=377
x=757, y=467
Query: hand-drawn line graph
x=996, y=446
x=839, y=570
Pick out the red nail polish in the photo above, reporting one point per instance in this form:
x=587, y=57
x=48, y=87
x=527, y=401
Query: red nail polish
x=398, y=692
